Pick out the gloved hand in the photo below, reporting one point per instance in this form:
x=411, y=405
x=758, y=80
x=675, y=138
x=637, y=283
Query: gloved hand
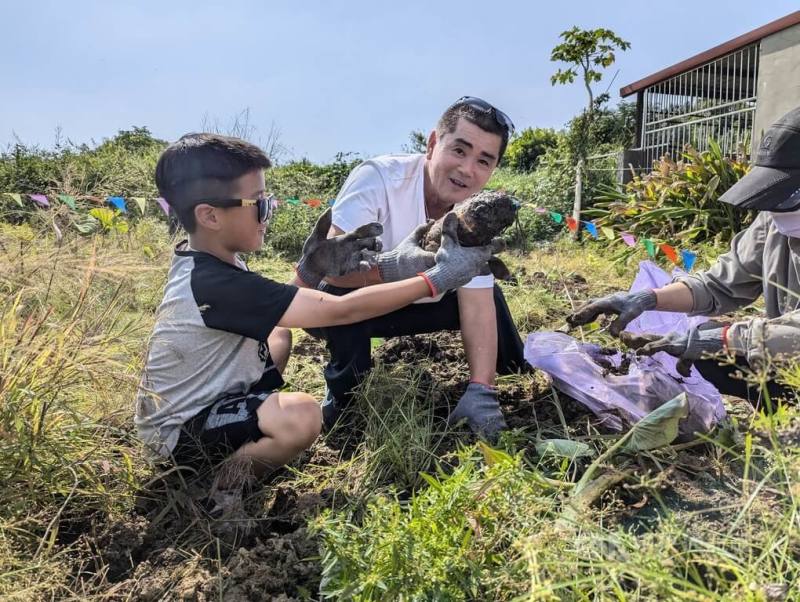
x=480, y=408
x=456, y=265
x=627, y=306
x=686, y=346
x=340, y=255
x=408, y=259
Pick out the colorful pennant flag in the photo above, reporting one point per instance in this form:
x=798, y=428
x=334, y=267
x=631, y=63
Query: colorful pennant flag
x=141, y=203
x=163, y=204
x=572, y=223
x=118, y=202
x=628, y=239
x=609, y=232
x=688, y=259
x=591, y=229
x=650, y=246
x=670, y=252
x=556, y=217
x=331, y=202
x=40, y=199
x=540, y=210
x=68, y=200
x=313, y=202
x=293, y=201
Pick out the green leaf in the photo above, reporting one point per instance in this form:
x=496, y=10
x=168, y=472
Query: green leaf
x=659, y=427
x=563, y=448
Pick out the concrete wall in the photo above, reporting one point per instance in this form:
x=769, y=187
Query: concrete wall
x=778, y=79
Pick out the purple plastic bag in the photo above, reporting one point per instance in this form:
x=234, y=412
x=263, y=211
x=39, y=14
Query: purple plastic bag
x=621, y=400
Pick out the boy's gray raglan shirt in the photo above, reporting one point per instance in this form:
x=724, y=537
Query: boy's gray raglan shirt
x=210, y=339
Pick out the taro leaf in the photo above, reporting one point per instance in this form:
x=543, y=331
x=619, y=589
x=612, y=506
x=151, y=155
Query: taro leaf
x=563, y=448
x=659, y=427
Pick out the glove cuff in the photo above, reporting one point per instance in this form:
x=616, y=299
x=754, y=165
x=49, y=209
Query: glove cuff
x=308, y=276
x=387, y=266
x=647, y=298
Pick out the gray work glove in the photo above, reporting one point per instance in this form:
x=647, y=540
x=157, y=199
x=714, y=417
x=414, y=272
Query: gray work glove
x=340, y=255
x=480, y=408
x=456, y=265
x=408, y=259
x=686, y=346
x=627, y=306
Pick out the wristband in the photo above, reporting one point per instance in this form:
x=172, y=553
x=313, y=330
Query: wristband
x=725, y=330
x=429, y=283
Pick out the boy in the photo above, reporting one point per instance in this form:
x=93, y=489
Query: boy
x=209, y=387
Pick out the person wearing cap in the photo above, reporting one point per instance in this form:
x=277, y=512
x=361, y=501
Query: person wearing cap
x=402, y=193
x=763, y=260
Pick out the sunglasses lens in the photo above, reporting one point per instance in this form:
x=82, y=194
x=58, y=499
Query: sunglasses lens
x=482, y=105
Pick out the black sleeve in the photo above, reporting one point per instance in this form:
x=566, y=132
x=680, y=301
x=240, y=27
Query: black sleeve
x=238, y=301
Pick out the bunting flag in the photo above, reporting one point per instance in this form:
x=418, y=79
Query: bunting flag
x=688, y=259
x=628, y=238
x=293, y=201
x=650, y=246
x=68, y=200
x=670, y=252
x=163, y=204
x=313, y=202
x=572, y=223
x=331, y=202
x=556, y=217
x=540, y=210
x=591, y=229
x=609, y=232
x=40, y=199
x=140, y=203
x=118, y=202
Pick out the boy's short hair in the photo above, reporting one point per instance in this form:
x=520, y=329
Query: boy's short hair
x=485, y=120
x=203, y=166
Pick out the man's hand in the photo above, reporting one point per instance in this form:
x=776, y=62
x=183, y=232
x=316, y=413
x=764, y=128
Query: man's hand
x=627, y=306
x=686, y=346
x=480, y=408
x=456, y=265
x=339, y=255
x=408, y=259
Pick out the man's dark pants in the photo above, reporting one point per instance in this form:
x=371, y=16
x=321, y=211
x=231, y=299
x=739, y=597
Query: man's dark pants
x=350, y=349
x=723, y=377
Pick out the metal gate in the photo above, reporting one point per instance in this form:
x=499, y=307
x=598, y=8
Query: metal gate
x=716, y=101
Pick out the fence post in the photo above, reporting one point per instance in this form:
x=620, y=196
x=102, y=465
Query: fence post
x=576, y=208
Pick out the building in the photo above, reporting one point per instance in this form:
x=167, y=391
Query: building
x=731, y=93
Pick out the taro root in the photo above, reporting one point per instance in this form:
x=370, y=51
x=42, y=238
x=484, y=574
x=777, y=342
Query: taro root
x=482, y=217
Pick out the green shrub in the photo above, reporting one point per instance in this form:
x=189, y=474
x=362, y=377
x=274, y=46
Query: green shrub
x=677, y=200
x=290, y=226
x=303, y=179
x=525, y=148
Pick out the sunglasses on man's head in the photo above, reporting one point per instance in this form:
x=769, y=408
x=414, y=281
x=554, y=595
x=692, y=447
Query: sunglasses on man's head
x=265, y=205
x=480, y=104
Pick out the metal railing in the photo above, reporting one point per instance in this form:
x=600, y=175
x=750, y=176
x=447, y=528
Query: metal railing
x=716, y=101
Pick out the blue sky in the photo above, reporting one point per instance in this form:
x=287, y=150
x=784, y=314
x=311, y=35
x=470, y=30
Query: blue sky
x=352, y=76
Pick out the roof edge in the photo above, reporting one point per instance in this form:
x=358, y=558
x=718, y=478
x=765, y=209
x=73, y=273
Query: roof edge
x=713, y=53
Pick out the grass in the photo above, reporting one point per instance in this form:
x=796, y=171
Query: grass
x=398, y=506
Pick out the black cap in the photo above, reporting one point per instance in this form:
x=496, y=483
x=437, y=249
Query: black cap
x=773, y=183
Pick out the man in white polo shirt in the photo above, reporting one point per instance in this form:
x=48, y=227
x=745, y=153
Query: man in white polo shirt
x=403, y=192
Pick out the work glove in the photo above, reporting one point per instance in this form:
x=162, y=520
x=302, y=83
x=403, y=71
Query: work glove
x=627, y=306
x=407, y=259
x=686, y=346
x=480, y=408
x=456, y=265
x=340, y=255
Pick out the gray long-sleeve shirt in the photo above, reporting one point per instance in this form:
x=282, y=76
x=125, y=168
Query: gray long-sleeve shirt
x=761, y=261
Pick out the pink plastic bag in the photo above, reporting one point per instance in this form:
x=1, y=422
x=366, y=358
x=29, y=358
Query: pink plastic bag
x=621, y=400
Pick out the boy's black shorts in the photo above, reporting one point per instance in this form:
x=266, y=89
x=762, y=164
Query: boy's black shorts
x=220, y=429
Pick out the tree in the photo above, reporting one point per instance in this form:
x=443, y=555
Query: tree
x=418, y=142
x=525, y=148
x=588, y=53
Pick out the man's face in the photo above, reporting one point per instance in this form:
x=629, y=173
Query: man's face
x=240, y=228
x=460, y=163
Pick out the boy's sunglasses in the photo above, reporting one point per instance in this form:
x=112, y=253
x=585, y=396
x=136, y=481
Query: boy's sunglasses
x=265, y=205
x=478, y=103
